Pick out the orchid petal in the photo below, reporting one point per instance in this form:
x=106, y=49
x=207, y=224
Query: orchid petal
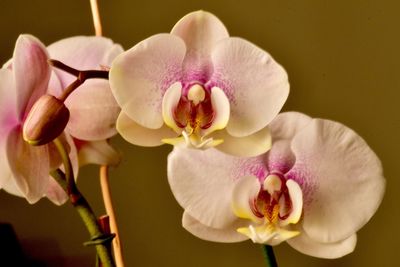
x=296, y=198
x=200, y=31
x=139, y=135
x=287, y=124
x=55, y=193
x=31, y=72
x=84, y=53
x=245, y=191
x=248, y=146
x=169, y=103
x=29, y=165
x=226, y=234
x=220, y=104
x=336, y=168
x=308, y=246
x=140, y=76
x=98, y=152
x=9, y=184
x=283, y=128
x=255, y=84
x=8, y=100
x=93, y=111
x=189, y=172
x=5, y=172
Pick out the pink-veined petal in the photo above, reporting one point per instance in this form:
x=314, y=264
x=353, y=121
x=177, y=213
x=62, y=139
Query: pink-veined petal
x=341, y=179
x=93, y=111
x=255, y=84
x=248, y=146
x=98, y=152
x=306, y=245
x=202, y=182
x=31, y=72
x=141, y=136
x=84, y=53
x=227, y=234
x=140, y=76
x=200, y=31
x=29, y=165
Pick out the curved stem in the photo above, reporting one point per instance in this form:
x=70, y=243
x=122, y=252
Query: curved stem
x=269, y=256
x=66, y=180
x=96, y=17
x=105, y=189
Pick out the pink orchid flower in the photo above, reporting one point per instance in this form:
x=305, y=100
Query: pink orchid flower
x=316, y=187
x=24, y=169
x=198, y=86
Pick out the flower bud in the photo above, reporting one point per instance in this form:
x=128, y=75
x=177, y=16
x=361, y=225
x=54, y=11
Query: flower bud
x=46, y=120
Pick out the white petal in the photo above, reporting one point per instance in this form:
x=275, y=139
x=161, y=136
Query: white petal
x=200, y=31
x=220, y=105
x=202, y=184
x=248, y=146
x=140, y=76
x=169, y=103
x=341, y=180
x=287, y=124
x=139, y=135
x=245, y=191
x=255, y=84
x=98, y=152
x=226, y=235
x=296, y=197
x=93, y=111
x=8, y=102
x=306, y=245
x=29, y=165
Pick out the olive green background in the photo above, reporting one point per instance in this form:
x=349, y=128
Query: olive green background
x=343, y=62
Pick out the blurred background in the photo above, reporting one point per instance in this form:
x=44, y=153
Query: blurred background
x=343, y=62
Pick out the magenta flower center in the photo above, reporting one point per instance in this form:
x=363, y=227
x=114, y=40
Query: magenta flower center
x=273, y=201
x=194, y=110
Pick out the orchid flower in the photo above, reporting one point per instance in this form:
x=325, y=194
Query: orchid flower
x=23, y=80
x=198, y=87
x=25, y=168
x=316, y=187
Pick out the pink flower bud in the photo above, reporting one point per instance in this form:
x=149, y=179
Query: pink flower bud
x=46, y=120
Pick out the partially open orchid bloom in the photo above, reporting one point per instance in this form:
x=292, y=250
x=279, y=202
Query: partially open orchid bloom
x=316, y=187
x=24, y=169
x=199, y=87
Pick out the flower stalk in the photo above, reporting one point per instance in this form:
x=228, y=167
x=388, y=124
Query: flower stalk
x=66, y=181
x=269, y=256
x=81, y=76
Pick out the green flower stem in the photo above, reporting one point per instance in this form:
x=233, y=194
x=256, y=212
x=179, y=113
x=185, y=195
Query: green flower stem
x=269, y=256
x=67, y=182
